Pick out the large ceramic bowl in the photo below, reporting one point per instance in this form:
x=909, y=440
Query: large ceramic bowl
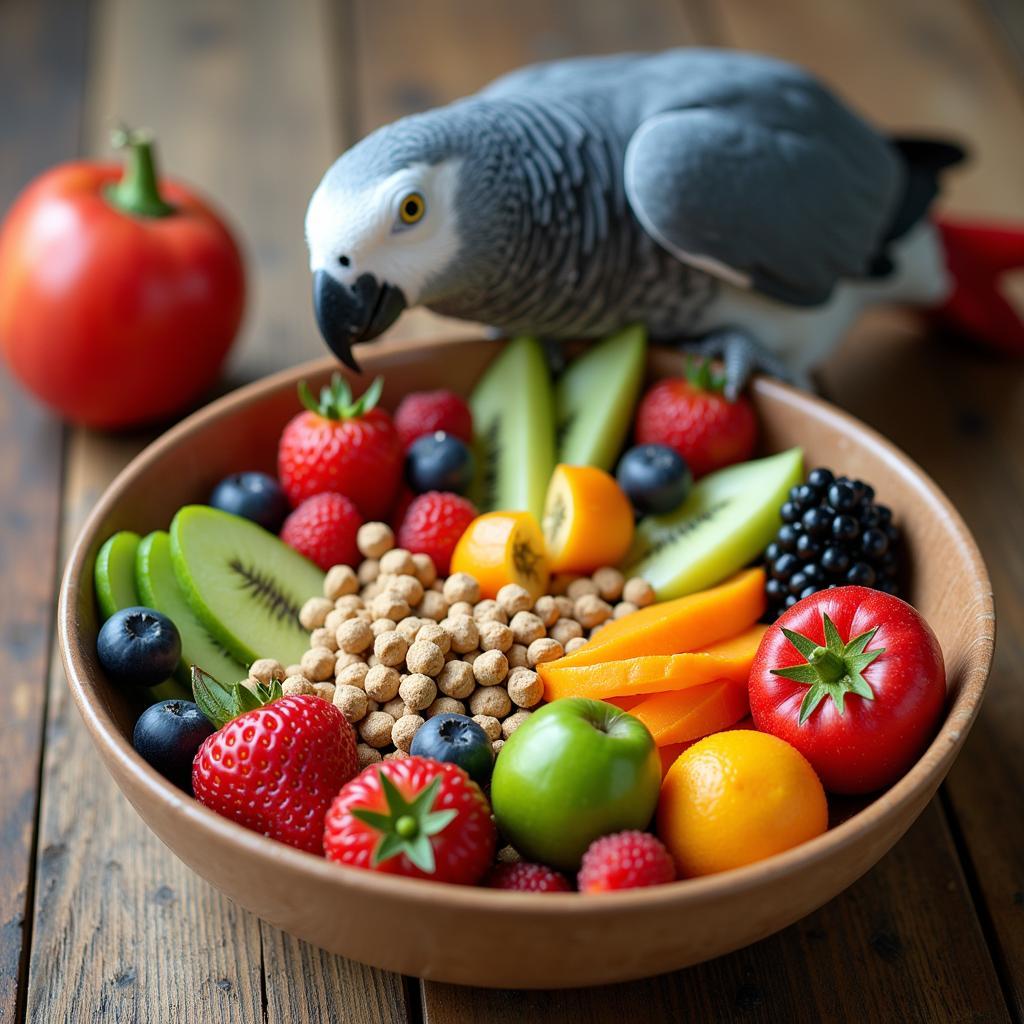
x=551, y=940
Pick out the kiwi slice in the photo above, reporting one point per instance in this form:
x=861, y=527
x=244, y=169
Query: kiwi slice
x=595, y=396
x=158, y=588
x=114, y=573
x=514, y=431
x=728, y=519
x=244, y=585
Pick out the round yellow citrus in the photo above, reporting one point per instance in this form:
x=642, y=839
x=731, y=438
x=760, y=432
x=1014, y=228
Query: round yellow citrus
x=735, y=798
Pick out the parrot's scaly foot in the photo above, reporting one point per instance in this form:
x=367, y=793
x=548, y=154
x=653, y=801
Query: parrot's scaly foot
x=743, y=356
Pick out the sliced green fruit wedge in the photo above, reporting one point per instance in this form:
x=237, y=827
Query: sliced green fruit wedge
x=243, y=584
x=729, y=518
x=114, y=573
x=514, y=430
x=595, y=396
x=158, y=588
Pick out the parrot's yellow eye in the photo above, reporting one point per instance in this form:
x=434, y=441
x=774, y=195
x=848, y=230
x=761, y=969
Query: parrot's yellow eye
x=412, y=209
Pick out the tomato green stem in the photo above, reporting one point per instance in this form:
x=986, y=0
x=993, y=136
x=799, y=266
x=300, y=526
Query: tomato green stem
x=138, y=191
x=831, y=667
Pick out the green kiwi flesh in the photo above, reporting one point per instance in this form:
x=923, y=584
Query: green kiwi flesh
x=513, y=430
x=114, y=573
x=727, y=520
x=243, y=584
x=158, y=588
x=595, y=396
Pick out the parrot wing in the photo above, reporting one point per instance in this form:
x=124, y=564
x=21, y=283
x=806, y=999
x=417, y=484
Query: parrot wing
x=783, y=192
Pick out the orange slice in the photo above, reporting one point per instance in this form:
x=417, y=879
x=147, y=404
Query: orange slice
x=681, y=715
x=503, y=547
x=588, y=520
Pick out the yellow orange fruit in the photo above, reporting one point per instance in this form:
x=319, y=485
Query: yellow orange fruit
x=588, y=520
x=735, y=798
x=503, y=547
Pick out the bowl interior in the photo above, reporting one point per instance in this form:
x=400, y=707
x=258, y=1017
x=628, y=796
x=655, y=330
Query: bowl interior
x=948, y=584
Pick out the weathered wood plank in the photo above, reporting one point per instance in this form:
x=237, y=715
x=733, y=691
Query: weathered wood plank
x=42, y=68
x=958, y=411
x=240, y=99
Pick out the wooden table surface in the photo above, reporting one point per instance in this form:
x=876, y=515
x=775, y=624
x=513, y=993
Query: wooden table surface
x=98, y=922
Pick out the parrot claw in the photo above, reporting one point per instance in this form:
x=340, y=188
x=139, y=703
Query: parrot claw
x=743, y=356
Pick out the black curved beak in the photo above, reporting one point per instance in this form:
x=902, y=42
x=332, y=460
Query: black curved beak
x=346, y=315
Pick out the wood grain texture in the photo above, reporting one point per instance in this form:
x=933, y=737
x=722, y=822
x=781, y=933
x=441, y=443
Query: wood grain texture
x=42, y=68
x=124, y=931
x=958, y=411
x=887, y=950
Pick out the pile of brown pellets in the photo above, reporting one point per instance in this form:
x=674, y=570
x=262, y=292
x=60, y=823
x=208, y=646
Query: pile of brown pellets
x=392, y=644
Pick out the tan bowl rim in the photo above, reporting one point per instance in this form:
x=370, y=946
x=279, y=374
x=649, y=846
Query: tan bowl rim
x=107, y=736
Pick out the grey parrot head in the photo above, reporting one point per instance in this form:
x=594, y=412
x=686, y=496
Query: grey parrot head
x=394, y=222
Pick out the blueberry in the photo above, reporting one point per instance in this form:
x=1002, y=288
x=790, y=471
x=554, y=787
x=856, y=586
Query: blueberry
x=458, y=739
x=835, y=561
x=807, y=592
x=812, y=572
x=817, y=522
x=785, y=566
x=168, y=734
x=797, y=582
x=821, y=478
x=138, y=647
x=656, y=478
x=807, y=496
x=439, y=462
x=884, y=514
x=842, y=497
x=254, y=496
x=775, y=589
x=874, y=543
x=772, y=552
x=845, y=527
x=791, y=600
x=861, y=575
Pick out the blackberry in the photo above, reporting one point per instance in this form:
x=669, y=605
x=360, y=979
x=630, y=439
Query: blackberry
x=833, y=535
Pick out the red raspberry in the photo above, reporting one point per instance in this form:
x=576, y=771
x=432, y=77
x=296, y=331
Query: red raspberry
x=625, y=860
x=323, y=528
x=423, y=412
x=433, y=525
x=523, y=877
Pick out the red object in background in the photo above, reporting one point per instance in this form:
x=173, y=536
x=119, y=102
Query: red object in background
x=692, y=416
x=119, y=296
x=978, y=254
x=861, y=688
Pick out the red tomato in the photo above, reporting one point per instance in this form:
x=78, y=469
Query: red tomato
x=113, y=316
x=861, y=700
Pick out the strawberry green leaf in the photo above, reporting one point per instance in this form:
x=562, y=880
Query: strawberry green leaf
x=214, y=699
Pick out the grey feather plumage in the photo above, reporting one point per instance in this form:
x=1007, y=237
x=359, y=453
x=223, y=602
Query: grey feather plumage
x=599, y=191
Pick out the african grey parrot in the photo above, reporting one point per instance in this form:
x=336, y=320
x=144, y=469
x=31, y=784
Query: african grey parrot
x=713, y=195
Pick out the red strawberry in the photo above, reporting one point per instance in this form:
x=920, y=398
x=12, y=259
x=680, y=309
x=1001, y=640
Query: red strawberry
x=433, y=524
x=413, y=816
x=625, y=860
x=276, y=768
x=695, y=418
x=323, y=528
x=337, y=444
x=423, y=412
x=524, y=877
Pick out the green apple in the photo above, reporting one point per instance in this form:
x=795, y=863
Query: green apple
x=575, y=770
